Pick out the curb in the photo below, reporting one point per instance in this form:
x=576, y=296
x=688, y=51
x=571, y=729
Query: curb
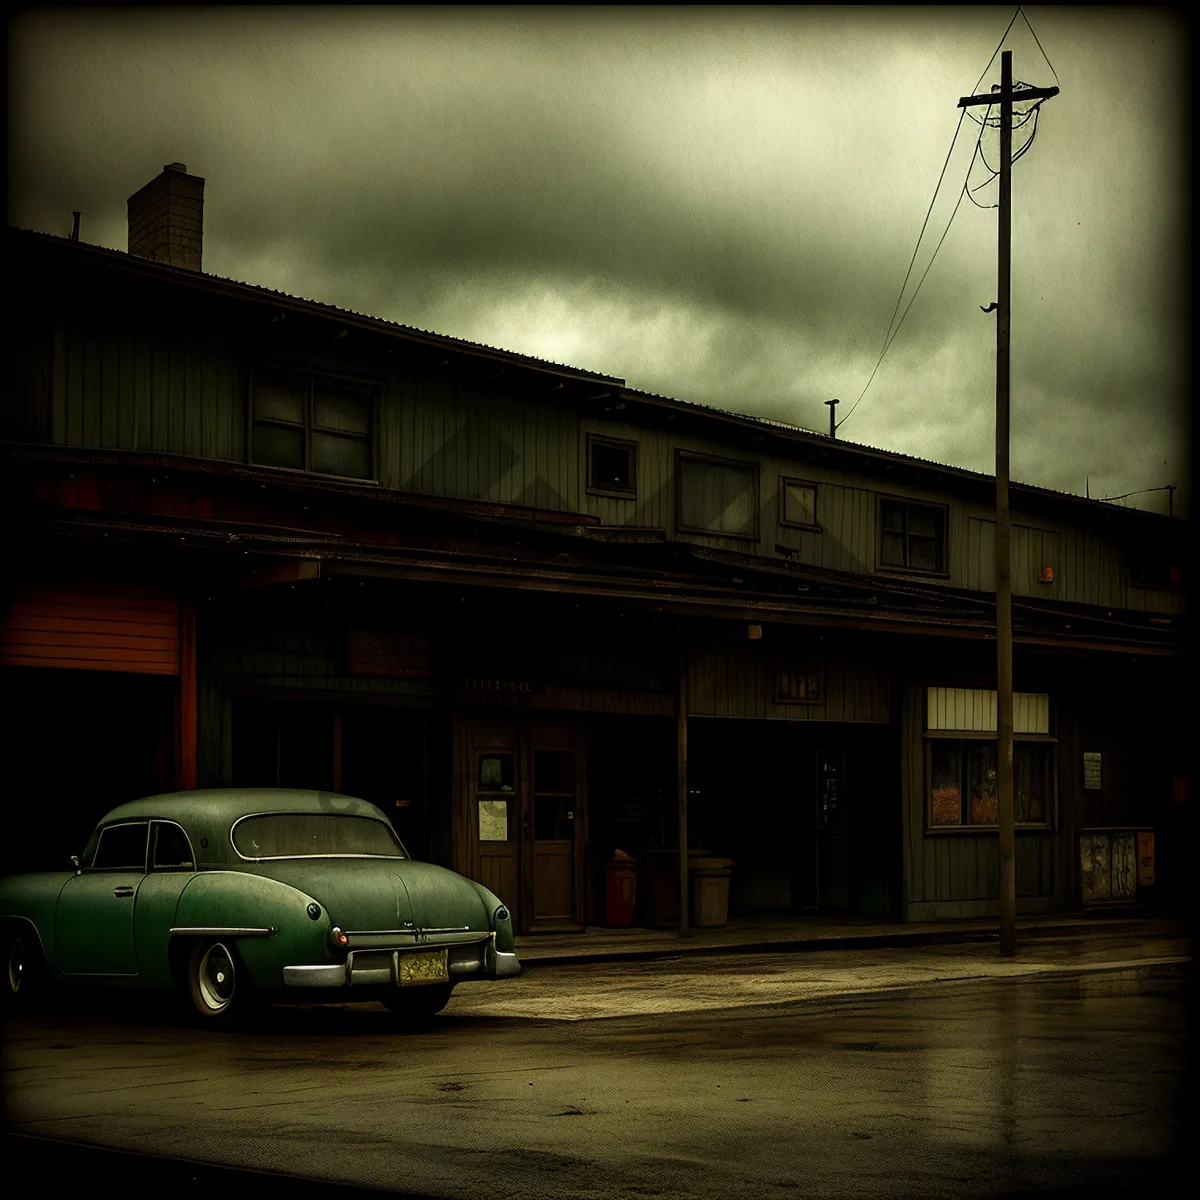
x=531, y=961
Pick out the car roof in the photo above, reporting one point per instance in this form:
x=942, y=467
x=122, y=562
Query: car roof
x=223, y=806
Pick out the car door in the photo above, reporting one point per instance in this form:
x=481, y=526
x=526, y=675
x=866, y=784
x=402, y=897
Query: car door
x=94, y=920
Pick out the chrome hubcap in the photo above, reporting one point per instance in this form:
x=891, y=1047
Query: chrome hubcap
x=217, y=978
x=16, y=966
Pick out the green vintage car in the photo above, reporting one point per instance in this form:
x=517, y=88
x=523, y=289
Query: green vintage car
x=235, y=896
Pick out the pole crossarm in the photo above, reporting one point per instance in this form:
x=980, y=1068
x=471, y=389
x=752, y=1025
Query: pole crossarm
x=1017, y=94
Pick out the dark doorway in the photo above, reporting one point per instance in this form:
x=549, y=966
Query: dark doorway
x=377, y=752
x=76, y=744
x=808, y=811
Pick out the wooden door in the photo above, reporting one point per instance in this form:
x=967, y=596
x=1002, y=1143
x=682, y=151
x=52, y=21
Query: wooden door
x=487, y=835
x=554, y=825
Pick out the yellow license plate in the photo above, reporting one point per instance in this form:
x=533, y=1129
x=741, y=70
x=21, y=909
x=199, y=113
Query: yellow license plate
x=427, y=967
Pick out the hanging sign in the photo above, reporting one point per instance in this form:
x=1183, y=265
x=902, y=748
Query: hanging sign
x=1091, y=770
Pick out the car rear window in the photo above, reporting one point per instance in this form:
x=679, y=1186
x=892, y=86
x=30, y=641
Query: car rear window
x=306, y=835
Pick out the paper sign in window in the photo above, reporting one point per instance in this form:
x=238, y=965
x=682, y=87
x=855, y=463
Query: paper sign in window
x=493, y=820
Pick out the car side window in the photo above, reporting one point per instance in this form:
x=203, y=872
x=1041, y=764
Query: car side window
x=171, y=850
x=122, y=848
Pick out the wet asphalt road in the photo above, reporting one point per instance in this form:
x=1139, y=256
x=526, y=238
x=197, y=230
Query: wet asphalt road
x=758, y=1075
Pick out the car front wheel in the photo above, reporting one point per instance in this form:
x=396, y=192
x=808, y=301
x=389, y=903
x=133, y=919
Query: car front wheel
x=215, y=983
x=22, y=970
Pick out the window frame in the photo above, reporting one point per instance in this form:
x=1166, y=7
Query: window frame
x=943, y=571
x=752, y=465
x=122, y=825
x=963, y=736
x=784, y=480
x=607, y=489
x=311, y=380
x=152, y=849
x=1137, y=561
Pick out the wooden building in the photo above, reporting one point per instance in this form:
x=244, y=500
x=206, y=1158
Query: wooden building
x=257, y=540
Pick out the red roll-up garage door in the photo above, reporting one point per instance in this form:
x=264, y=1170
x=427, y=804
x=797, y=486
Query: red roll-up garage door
x=93, y=627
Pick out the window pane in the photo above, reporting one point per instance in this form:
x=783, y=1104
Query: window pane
x=799, y=504
x=891, y=551
x=924, y=522
x=279, y=399
x=946, y=783
x=552, y=771
x=171, y=847
x=893, y=516
x=278, y=446
x=122, y=848
x=612, y=466
x=981, y=783
x=923, y=553
x=298, y=835
x=333, y=454
x=719, y=497
x=1031, y=762
x=341, y=409
x=496, y=773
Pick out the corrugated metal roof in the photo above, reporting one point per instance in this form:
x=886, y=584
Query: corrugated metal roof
x=321, y=307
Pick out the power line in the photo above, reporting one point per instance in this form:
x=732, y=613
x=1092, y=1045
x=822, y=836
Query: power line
x=893, y=332
x=890, y=335
x=1039, y=46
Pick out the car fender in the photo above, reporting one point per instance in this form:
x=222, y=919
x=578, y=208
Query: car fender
x=269, y=923
x=28, y=902
x=505, y=939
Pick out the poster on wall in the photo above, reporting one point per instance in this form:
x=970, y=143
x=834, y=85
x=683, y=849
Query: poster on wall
x=493, y=820
x=1091, y=770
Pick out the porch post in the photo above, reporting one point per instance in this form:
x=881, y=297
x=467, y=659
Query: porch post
x=682, y=785
x=185, y=708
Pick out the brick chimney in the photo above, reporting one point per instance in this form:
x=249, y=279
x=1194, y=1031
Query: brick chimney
x=166, y=218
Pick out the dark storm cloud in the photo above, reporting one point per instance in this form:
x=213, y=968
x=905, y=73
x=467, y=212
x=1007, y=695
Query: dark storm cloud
x=714, y=204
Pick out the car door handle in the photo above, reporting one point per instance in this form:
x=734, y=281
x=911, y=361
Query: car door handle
x=123, y=891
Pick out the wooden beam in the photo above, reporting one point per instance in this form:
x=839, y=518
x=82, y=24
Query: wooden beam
x=185, y=763
x=293, y=570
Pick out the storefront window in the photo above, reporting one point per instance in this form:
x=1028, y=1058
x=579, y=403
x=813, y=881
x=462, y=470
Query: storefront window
x=964, y=782
x=946, y=759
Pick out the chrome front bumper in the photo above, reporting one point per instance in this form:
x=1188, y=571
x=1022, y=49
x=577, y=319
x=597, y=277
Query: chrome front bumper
x=379, y=966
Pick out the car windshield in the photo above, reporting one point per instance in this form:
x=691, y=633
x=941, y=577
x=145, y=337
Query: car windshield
x=305, y=835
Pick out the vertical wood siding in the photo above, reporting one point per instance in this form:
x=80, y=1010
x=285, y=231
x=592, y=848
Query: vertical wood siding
x=158, y=392
x=731, y=681
x=185, y=392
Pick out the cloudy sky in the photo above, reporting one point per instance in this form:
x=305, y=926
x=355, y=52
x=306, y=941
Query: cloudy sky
x=717, y=204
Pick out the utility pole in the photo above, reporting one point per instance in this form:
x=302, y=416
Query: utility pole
x=1004, y=644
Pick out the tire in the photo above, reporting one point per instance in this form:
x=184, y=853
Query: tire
x=217, y=985
x=23, y=970
x=417, y=1004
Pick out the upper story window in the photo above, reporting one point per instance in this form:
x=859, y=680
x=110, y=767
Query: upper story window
x=717, y=495
x=314, y=424
x=1155, y=568
x=797, y=503
x=912, y=536
x=612, y=466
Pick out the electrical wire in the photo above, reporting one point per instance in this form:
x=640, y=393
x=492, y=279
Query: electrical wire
x=893, y=332
x=890, y=336
x=1039, y=46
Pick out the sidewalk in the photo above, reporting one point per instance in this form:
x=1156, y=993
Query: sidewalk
x=748, y=935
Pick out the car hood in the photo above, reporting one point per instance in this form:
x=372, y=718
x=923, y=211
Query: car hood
x=366, y=894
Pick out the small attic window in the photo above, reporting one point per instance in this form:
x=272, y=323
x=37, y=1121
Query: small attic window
x=612, y=466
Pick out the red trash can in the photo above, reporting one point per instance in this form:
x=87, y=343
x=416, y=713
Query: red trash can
x=620, y=890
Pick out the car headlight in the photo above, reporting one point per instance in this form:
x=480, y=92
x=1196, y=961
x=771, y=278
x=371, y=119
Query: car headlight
x=501, y=914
